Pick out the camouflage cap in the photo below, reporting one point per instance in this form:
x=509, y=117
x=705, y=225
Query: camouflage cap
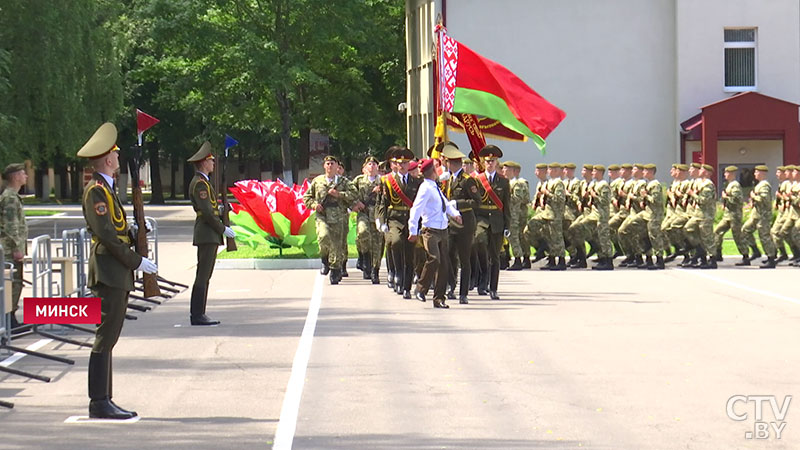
x=781, y=168
x=761, y=167
x=12, y=168
x=731, y=169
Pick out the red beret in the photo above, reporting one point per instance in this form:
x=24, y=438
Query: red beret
x=426, y=164
x=412, y=165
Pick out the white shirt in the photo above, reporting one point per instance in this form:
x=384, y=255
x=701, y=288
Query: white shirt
x=490, y=176
x=109, y=179
x=428, y=205
x=204, y=175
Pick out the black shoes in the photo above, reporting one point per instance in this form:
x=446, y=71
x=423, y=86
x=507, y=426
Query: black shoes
x=419, y=295
x=562, y=264
x=493, y=295
x=439, y=303
x=100, y=405
x=604, y=264
x=770, y=264
x=451, y=295
x=106, y=409
x=335, y=276
x=517, y=265
x=203, y=319
x=744, y=262
x=407, y=294
x=375, y=277
x=526, y=262
x=463, y=300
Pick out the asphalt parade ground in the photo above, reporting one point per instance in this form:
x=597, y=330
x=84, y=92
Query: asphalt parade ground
x=579, y=359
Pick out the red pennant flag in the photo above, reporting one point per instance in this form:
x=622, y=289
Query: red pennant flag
x=144, y=121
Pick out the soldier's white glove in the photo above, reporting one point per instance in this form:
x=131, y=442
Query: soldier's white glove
x=147, y=266
x=506, y=233
x=384, y=228
x=444, y=176
x=135, y=227
x=229, y=232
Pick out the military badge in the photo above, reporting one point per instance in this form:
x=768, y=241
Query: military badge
x=474, y=189
x=203, y=194
x=101, y=208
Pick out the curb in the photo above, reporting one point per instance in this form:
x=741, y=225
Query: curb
x=273, y=264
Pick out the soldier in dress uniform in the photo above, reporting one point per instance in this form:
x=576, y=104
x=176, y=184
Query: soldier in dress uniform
x=14, y=232
x=369, y=239
x=111, y=265
x=494, y=218
x=397, y=195
x=383, y=227
x=462, y=188
x=208, y=231
x=760, y=218
x=732, y=201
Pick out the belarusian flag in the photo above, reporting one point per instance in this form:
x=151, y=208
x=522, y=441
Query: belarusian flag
x=472, y=84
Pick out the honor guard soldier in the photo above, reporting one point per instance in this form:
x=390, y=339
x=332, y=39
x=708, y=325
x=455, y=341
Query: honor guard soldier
x=462, y=188
x=493, y=220
x=397, y=195
x=760, y=218
x=208, y=232
x=732, y=202
x=369, y=239
x=329, y=196
x=14, y=231
x=111, y=265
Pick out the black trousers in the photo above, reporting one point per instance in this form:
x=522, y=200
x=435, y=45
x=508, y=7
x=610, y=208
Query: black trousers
x=113, y=305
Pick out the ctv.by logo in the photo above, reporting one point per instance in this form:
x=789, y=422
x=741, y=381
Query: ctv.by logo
x=761, y=428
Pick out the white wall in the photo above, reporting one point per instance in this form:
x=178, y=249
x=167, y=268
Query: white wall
x=614, y=76
x=700, y=25
x=755, y=152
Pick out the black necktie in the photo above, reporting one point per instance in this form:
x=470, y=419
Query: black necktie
x=441, y=197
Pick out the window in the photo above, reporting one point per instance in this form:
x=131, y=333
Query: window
x=740, y=59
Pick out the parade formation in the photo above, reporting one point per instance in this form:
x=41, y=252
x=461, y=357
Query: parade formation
x=617, y=212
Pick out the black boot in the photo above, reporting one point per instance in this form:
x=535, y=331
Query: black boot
x=756, y=252
x=551, y=262
x=562, y=264
x=770, y=264
x=629, y=260
x=366, y=266
x=744, y=262
x=580, y=259
x=659, y=265
x=360, y=261
x=375, y=277
x=648, y=264
x=604, y=264
x=390, y=280
x=526, y=262
x=540, y=255
x=637, y=262
x=343, y=272
x=325, y=269
x=592, y=251
x=483, y=282
x=784, y=256
x=111, y=385
x=710, y=264
x=517, y=265
x=100, y=405
x=335, y=276
x=718, y=254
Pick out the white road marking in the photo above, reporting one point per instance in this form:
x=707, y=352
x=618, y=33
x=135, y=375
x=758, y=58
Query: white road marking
x=87, y=419
x=287, y=423
x=745, y=287
x=19, y=355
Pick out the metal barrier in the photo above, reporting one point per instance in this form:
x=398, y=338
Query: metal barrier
x=152, y=251
x=73, y=275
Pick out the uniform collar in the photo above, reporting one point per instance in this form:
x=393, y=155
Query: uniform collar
x=203, y=175
x=109, y=180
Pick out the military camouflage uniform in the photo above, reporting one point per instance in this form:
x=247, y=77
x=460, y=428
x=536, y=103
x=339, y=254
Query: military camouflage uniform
x=369, y=239
x=546, y=223
x=617, y=208
x=760, y=219
x=699, y=228
x=633, y=229
x=13, y=237
x=674, y=225
x=573, y=190
x=330, y=221
x=732, y=201
x=520, y=197
x=654, y=215
x=593, y=225
x=782, y=216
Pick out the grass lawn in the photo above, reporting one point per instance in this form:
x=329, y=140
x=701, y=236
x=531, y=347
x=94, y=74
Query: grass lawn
x=266, y=252
x=39, y=212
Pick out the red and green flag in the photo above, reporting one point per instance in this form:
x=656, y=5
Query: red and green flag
x=471, y=84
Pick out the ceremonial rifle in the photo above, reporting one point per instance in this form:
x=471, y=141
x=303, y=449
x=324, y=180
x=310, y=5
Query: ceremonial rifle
x=150, y=280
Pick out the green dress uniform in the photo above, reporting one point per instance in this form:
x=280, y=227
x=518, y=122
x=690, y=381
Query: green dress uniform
x=732, y=202
x=14, y=238
x=464, y=190
x=369, y=239
x=330, y=223
x=394, y=213
x=112, y=261
x=760, y=219
x=492, y=221
x=207, y=237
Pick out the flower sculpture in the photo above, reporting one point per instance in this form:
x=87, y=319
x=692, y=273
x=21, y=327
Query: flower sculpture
x=272, y=213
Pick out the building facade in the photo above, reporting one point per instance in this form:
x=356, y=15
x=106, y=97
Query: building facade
x=631, y=75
